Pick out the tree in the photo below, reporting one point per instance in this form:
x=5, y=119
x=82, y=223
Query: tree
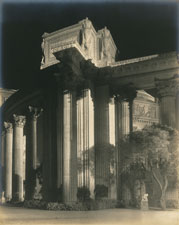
x=154, y=149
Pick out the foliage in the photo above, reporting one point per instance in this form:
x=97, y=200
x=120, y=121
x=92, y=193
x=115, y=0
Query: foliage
x=107, y=153
x=75, y=206
x=101, y=191
x=35, y=204
x=83, y=194
x=154, y=149
x=172, y=204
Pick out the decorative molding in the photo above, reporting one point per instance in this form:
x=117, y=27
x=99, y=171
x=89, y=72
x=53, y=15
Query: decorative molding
x=8, y=127
x=19, y=120
x=145, y=65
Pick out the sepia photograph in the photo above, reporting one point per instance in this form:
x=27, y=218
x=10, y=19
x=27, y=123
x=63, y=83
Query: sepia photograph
x=89, y=112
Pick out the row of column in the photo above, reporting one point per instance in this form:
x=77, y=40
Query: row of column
x=14, y=159
x=14, y=156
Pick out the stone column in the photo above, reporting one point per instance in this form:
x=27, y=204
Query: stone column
x=104, y=139
x=17, y=191
x=85, y=140
x=8, y=160
x=125, y=118
x=112, y=142
x=49, y=168
x=31, y=151
x=167, y=90
x=2, y=169
x=69, y=147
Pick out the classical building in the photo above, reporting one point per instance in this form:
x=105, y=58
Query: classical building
x=89, y=102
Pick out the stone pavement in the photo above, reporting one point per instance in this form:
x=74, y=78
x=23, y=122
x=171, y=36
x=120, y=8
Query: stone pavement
x=16, y=215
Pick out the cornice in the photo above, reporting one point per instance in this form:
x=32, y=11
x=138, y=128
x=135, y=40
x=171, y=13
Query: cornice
x=138, y=66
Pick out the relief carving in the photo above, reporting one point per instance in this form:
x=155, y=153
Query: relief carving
x=43, y=52
x=87, y=36
x=143, y=110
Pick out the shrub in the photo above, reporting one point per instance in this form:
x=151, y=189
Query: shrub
x=101, y=191
x=35, y=204
x=172, y=204
x=83, y=194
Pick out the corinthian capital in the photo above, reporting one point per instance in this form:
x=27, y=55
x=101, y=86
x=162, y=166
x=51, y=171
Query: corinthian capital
x=35, y=112
x=167, y=87
x=19, y=120
x=8, y=127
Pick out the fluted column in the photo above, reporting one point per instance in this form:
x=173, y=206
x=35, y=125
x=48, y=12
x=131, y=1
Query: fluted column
x=8, y=160
x=69, y=147
x=85, y=140
x=101, y=134
x=112, y=142
x=125, y=118
x=167, y=90
x=17, y=191
x=31, y=151
x=105, y=140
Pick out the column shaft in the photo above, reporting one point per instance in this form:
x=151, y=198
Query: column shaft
x=60, y=145
x=31, y=151
x=125, y=118
x=69, y=148
x=85, y=140
x=105, y=140
x=8, y=161
x=18, y=158
x=167, y=110
x=2, y=169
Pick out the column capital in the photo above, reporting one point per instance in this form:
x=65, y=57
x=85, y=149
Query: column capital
x=167, y=87
x=19, y=120
x=35, y=112
x=8, y=127
x=124, y=93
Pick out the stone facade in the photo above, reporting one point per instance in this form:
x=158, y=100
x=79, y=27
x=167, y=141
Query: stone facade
x=73, y=125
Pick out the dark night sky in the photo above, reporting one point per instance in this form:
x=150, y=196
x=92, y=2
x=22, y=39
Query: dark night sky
x=138, y=29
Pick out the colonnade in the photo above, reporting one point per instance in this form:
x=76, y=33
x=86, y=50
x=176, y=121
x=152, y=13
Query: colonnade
x=76, y=132
x=14, y=156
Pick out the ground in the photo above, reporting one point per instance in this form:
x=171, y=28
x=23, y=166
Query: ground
x=15, y=215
